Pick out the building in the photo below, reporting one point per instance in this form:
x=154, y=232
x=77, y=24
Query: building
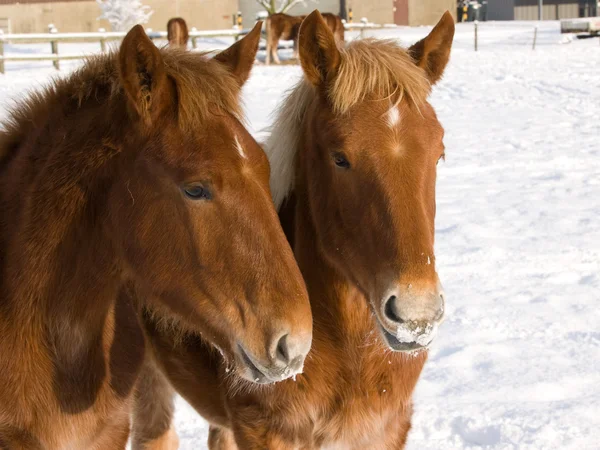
x=421, y=12
x=552, y=9
x=399, y=12
x=33, y=16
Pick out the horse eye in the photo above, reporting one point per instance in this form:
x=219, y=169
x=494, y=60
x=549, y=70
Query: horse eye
x=340, y=160
x=197, y=192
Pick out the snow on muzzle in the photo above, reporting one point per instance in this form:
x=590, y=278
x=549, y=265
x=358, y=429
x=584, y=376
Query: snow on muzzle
x=409, y=316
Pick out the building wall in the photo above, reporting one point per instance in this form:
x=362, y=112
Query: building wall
x=429, y=12
x=501, y=10
x=65, y=16
x=202, y=14
x=81, y=15
x=528, y=9
x=552, y=10
x=376, y=11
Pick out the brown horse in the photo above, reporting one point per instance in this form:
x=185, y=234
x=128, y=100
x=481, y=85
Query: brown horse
x=177, y=32
x=353, y=153
x=133, y=182
x=282, y=26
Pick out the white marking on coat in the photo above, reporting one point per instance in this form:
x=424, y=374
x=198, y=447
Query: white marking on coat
x=393, y=116
x=239, y=148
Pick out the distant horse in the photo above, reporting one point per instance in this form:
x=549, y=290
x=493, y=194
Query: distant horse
x=284, y=27
x=132, y=184
x=353, y=153
x=177, y=32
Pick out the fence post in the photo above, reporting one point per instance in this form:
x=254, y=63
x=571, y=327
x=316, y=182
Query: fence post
x=1, y=51
x=194, y=38
x=102, y=40
x=476, y=26
x=364, y=23
x=54, y=46
x=534, y=37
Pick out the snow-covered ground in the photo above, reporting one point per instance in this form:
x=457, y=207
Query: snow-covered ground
x=517, y=363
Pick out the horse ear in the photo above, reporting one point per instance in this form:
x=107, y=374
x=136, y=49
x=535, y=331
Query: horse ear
x=143, y=74
x=319, y=55
x=433, y=52
x=239, y=58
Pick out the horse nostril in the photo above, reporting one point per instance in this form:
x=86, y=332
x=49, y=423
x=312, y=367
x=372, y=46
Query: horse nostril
x=390, y=310
x=282, y=352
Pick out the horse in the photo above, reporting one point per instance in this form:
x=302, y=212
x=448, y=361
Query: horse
x=133, y=182
x=353, y=151
x=283, y=26
x=335, y=24
x=177, y=32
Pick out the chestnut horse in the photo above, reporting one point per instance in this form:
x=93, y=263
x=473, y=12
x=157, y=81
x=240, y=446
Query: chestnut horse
x=353, y=153
x=177, y=32
x=133, y=182
x=282, y=26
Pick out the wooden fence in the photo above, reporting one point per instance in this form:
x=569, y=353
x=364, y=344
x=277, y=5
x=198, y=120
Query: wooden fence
x=53, y=37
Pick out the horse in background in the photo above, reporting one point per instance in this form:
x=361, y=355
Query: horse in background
x=353, y=153
x=335, y=24
x=133, y=185
x=177, y=32
x=285, y=27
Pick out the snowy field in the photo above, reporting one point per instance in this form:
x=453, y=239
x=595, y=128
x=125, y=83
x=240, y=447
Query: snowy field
x=517, y=362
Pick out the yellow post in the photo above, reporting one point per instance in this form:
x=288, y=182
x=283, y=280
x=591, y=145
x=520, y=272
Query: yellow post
x=350, y=15
x=239, y=20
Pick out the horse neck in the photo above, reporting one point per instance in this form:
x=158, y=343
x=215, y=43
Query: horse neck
x=57, y=261
x=74, y=281
x=340, y=310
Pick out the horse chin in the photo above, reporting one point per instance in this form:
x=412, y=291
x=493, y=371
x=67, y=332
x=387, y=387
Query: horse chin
x=249, y=369
x=397, y=345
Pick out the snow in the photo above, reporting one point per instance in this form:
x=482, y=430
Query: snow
x=516, y=364
x=417, y=334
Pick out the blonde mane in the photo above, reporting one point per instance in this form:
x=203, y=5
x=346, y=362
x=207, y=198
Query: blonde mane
x=369, y=70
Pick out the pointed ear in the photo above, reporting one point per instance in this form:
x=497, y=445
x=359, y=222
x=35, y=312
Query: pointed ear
x=239, y=58
x=319, y=55
x=433, y=52
x=143, y=74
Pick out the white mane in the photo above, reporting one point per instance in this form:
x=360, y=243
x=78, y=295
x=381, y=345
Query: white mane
x=282, y=145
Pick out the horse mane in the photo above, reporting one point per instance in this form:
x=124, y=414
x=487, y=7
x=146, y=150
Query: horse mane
x=369, y=70
x=201, y=84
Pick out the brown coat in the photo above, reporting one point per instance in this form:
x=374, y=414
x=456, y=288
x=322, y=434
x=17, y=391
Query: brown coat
x=177, y=32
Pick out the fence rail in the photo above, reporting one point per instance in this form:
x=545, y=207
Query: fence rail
x=102, y=37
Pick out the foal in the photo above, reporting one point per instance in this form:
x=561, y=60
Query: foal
x=133, y=182
x=353, y=153
x=283, y=26
x=177, y=32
